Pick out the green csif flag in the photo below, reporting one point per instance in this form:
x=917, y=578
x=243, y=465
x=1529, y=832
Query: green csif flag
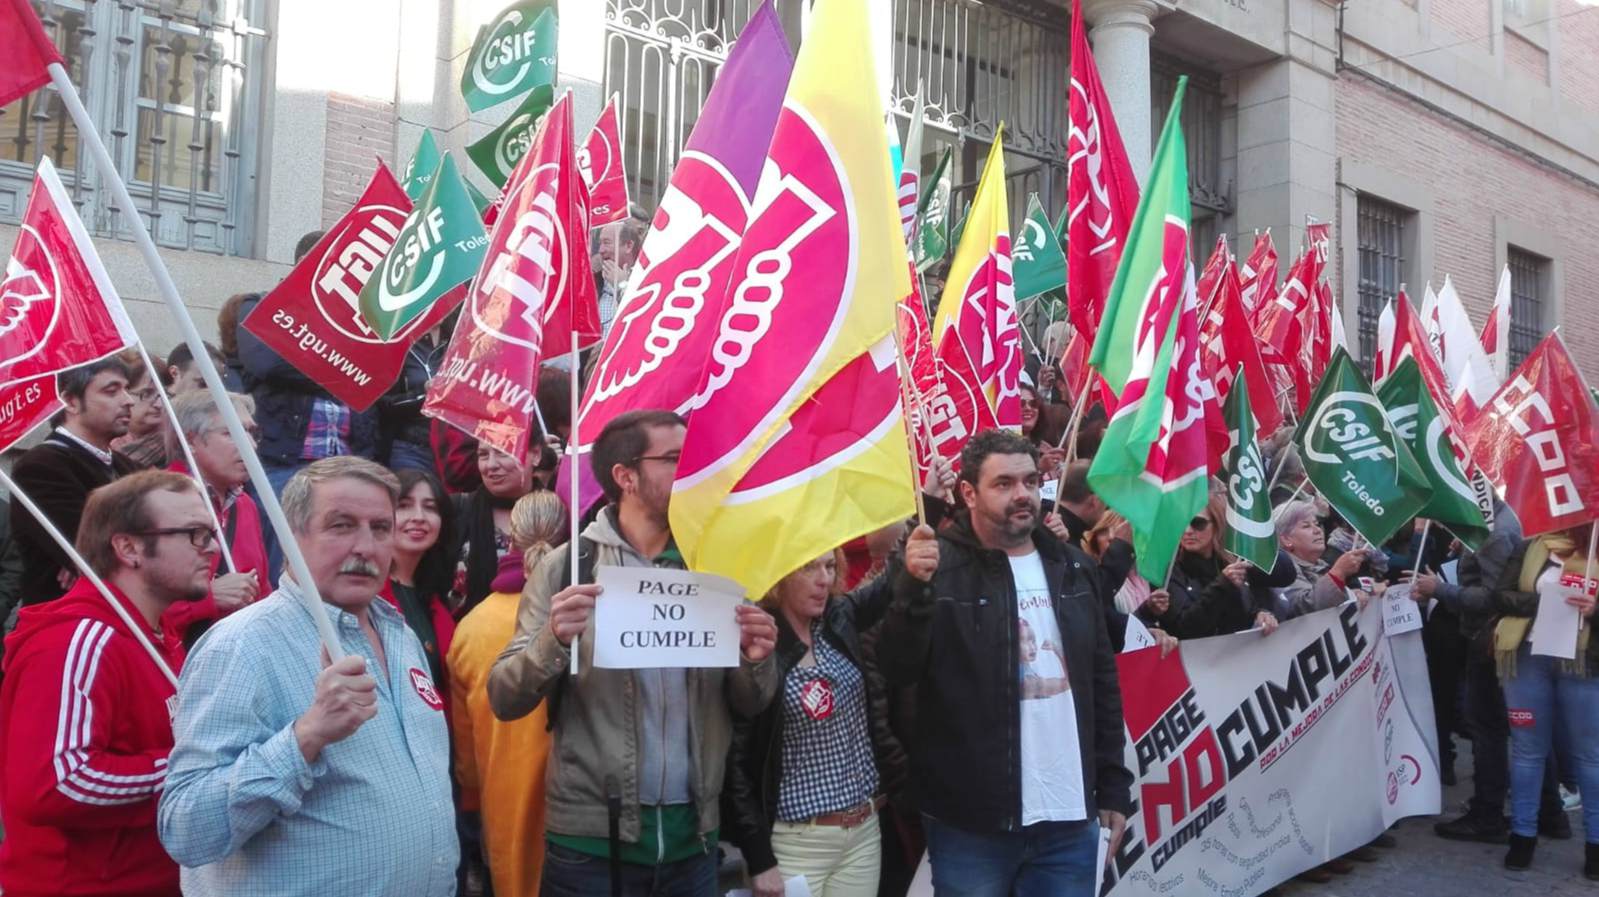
x=1037, y=263
x=440, y=246
x=1355, y=457
x=1414, y=415
x=498, y=152
x=1152, y=463
x=419, y=171
x=1250, y=531
x=932, y=230
x=512, y=55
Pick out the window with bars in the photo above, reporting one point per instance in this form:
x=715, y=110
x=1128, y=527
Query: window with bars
x=1528, y=276
x=1380, y=240
x=174, y=87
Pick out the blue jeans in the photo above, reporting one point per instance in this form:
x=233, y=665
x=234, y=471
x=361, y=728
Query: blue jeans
x=1045, y=859
x=568, y=873
x=1538, y=696
x=410, y=456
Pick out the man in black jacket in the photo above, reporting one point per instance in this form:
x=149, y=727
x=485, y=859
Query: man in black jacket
x=1019, y=742
x=59, y=473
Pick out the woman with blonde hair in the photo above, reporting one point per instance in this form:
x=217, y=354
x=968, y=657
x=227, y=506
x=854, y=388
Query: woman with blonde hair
x=500, y=765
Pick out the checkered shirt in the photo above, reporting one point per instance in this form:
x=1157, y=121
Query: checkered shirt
x=327, y=431
x=828, y=765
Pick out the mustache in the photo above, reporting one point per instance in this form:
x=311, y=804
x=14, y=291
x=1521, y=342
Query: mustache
x=360, y=567
x=1023, y=505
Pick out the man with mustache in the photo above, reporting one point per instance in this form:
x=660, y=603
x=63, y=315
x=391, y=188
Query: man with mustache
x=295, y=776
x=1015, y=779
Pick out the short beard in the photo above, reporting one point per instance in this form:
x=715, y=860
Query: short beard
x=1010, y=533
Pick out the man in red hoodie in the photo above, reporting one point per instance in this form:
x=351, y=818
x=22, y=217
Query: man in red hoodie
x=86, y=709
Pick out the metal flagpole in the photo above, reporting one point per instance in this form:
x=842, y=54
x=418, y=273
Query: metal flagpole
x=202, y=357
x=83, y=566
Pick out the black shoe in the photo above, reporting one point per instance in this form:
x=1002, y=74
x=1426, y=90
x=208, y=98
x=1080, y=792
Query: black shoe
x=1555, y=827
x=1474, y=827
x=1590, y=867
x=1519, y=857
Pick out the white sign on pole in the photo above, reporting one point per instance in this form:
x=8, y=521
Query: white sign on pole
x=1400, y=612
x=649, y=617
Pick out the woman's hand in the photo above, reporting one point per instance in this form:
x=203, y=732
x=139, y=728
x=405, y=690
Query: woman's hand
x=1266, y=622
x=1236, y=572
x=1583, y=603
x=1159, y=602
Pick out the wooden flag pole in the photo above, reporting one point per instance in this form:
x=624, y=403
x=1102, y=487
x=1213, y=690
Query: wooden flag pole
x=906, y=405
x=1072, y=426
x=574, y=513
x=265, y=495
x=136, y=627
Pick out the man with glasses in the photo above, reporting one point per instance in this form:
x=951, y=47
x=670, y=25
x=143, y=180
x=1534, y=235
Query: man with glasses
x=145, y=443
x=85, y=710
x=221, y=468
x=74, y=460
x=635, y=774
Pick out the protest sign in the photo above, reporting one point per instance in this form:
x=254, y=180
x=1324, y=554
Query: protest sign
x=1256, y=758
x=1554, y=629
x=1400, y=612
x=649, y=617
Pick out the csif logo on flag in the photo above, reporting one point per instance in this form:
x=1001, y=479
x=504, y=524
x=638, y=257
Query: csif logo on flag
x=498, y=152
x=511, y=55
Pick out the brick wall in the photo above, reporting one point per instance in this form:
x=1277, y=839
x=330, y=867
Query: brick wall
x=360, y=129
x=1471, y=179
x=1526, y=56
x=1579, y=54
x=1468, y=21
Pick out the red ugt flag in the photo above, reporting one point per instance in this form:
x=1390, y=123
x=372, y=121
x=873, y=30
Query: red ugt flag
x=600, y=161
x=58, y=308
x=313, y=317
x=25, y=51
x=1537, y=441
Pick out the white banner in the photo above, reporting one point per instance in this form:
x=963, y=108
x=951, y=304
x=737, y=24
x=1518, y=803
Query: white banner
x=650, y=617
x=1258, y=757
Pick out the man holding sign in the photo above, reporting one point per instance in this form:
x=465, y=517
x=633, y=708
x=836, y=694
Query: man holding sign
x=635, y=775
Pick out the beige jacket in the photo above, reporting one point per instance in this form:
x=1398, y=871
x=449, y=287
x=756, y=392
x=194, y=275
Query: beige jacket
x=596, y=725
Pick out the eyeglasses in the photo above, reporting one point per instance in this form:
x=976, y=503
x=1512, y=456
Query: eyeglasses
x=201, y=537
x=1199, y=524
x=669, y=457
x=147, y=394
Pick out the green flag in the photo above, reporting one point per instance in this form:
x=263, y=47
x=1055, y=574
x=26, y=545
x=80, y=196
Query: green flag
x=498, y=152
x=1037, y=263
x=932, y=230
x=1414, y=415
x=959, y=229
x=1152, y=463
x=479, y=201
x=1250, y=533
x=440, y=246
x=512, y=55
x=1355, y=458
x=419, y=171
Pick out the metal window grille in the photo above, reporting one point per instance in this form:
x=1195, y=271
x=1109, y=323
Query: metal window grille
x=1527, y=321
x=172, y=87
x=1381, y=240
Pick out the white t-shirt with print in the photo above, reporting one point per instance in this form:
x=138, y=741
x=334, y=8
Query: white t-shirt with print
x=1052, y=766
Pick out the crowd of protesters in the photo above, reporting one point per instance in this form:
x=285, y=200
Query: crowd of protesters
x=944, y=689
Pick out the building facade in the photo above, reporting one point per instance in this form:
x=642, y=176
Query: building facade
x=1440, y=137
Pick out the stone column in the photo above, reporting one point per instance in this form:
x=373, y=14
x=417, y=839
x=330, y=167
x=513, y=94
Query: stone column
x=1120, y=35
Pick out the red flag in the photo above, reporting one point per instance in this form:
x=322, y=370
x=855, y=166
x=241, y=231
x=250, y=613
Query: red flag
x=916, y=342
x=1259, y=274
x=1537, y=441
x=1228, y=342
x=1315, y=344
x=1210, y=278
x=1277, y=321
x=58, y=308
x=1101, y=189
x=600, y=161
x=1409, y=339
x=532, y=299
x=312, y=318
x=25, y=404
x=25, y=49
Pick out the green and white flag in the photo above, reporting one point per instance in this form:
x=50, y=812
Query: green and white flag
x=498, y=152
x=479, y=201
x=512, y=55
x=959, y=229
x=1355, y=457
x=418, y=172
x=440, y=246
x=1414, y=415
x=1250, y=531
x=1153, y=462
x=1037, y=263
x=932, y=230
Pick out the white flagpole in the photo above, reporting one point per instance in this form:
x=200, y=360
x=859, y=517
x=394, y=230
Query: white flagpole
x=136, y=627
x=202, y=357
x=188, y=457
x=574, y=513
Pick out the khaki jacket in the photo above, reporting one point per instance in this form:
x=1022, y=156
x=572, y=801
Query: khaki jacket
x=595, y=721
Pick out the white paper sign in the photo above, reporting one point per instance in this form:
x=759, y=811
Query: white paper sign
x=1554, y=630
x=1099, y=860
x=1450, y=571
x=649, y=617
x=1400, y=613
x=1048, y=490
x=793, y=887
x=1138, y=636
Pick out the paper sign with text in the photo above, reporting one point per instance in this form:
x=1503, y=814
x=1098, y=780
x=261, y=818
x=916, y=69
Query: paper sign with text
x=1400, y=612
x=1554, y=630
x=649, y=617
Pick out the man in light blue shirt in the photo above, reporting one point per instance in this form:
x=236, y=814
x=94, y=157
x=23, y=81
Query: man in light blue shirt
x=292, y=776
